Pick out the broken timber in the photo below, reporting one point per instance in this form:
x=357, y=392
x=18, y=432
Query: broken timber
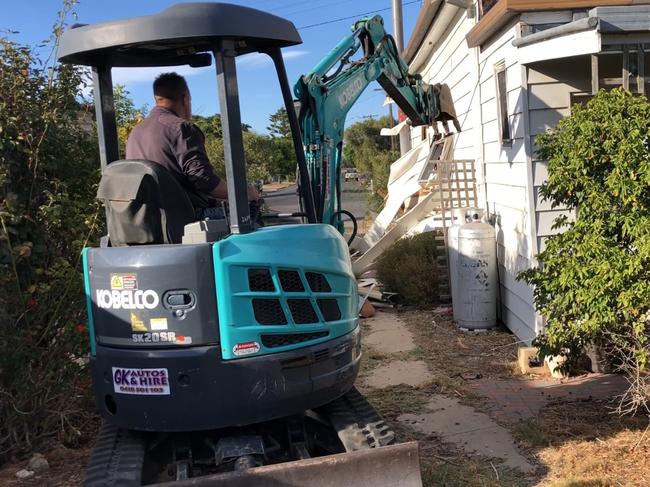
x=439, y=183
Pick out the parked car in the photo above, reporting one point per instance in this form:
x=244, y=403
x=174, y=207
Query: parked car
x=350, y=174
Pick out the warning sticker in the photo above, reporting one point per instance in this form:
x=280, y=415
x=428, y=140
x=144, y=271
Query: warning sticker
x=158, y=324
x=183, y=340
x=124, y=281
x=246, y=348
x=137, y=324
x=145, y=382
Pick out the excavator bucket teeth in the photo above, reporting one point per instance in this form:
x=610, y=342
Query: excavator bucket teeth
x=387, y=466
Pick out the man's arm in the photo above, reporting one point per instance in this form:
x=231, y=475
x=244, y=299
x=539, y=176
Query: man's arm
x=220, y=191
x=196, y=165
x=194, y=162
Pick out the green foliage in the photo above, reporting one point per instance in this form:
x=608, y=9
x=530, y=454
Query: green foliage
x=409, y=268
x=266, y=156
x=370, y=152
x=127, y=115
x=279, y=124
x=593, y=279
x=48, y=178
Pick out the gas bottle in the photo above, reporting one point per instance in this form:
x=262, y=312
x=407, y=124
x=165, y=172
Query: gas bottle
x=476, y=288
x=458, y=219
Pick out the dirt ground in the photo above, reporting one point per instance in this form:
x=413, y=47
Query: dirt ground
x=571, y=444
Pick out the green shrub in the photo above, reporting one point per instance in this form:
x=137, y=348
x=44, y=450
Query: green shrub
x=593, y=279
x=409, y=267
x=48, y=179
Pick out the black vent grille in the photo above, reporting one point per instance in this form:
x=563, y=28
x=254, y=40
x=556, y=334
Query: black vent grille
x=291, y=282
x=330, y=310
x=260, y=280
x=317, y=282
x=272, y=341
x=321, y=355
x=269, y=312
x=302, y=311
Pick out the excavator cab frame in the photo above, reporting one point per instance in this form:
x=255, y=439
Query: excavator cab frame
x=182, y=36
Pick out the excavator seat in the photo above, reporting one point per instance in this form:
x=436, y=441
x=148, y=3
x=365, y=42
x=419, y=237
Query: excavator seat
x=145, y=204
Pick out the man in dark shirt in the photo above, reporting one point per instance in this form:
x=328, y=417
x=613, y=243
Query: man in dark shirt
x=169, y=138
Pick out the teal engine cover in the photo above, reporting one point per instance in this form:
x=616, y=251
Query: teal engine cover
x=281, y=288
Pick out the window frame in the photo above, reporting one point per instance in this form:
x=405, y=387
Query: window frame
x=503, y=115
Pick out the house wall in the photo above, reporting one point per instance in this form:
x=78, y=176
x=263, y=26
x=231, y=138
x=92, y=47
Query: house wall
x=507, y=181
x=503, y=173
x=510, y=176
x=550, y=84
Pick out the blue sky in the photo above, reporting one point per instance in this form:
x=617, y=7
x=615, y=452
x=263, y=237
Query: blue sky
x=258, y=85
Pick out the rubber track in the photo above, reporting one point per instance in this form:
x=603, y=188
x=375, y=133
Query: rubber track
x=117, y=459
x=358, y=425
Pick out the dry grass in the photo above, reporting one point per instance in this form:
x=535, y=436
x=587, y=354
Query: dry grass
x=67, y=462
x=577, y=444
x=583, y=443
x=67, y=468
x=457, y=358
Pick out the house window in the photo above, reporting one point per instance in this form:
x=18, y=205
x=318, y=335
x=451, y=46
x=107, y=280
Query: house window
x=505, y=136
x=485, y=6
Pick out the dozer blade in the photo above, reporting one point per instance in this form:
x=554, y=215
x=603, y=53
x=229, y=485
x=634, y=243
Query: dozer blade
x=387, y=466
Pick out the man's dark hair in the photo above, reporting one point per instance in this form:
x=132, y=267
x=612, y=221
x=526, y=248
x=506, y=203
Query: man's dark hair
x=170, y=85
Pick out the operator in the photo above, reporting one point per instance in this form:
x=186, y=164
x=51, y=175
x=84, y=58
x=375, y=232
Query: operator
x=168, y=137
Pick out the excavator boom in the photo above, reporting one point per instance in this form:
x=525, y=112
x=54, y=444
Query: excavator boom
x=327, y=93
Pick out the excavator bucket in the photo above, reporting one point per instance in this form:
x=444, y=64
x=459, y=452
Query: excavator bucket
x=387, y=466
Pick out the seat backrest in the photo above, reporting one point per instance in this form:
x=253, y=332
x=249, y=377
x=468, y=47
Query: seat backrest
x=145, y=204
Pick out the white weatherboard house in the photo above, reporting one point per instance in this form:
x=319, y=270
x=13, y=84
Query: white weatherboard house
x=515, y=68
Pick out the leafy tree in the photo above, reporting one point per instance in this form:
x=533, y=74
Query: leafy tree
x=593, y=279
x=283, y=157
x=279, y=124
x=257, y=150
x=258, y=154
x=370, y=152
x=127, y=115
x=48, y=179
x=211, y=125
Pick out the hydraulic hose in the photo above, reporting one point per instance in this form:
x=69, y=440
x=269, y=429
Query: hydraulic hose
x=352, y=218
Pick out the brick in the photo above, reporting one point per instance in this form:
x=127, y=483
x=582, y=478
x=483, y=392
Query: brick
x=524, y=356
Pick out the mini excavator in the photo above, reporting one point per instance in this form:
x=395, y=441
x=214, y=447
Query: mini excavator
x=222, y=352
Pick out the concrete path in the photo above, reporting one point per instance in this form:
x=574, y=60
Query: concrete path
x=388, y=334
x=473, y=431
x=445, y=417
x=410, y=372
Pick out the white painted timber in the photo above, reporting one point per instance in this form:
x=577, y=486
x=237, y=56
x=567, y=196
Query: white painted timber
x=506, y=195
x=402, y=225
x=543, y=120
x=578, y=44
x=502, y=173
x=549, y=95
x=402, y=186
x=541, y=18
x=540, y=172
x=546, y=219
x=495, y=152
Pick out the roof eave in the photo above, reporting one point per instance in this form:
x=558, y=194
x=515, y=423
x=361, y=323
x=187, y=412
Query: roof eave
x=422, y=24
